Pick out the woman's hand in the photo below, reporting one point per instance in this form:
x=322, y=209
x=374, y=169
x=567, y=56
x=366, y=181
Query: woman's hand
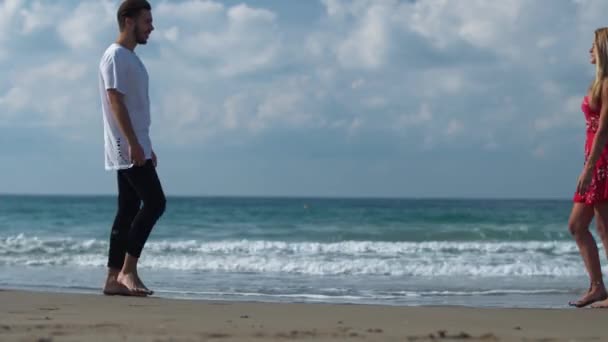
x=584, y=180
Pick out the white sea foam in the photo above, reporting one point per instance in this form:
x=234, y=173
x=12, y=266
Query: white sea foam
x=434, y=258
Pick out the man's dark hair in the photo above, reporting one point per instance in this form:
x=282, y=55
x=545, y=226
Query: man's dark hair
x=130, y=9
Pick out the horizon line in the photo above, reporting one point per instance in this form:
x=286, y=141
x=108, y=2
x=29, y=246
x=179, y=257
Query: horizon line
x=258, y=196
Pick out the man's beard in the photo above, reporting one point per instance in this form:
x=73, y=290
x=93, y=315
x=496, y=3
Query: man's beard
x=140, y=37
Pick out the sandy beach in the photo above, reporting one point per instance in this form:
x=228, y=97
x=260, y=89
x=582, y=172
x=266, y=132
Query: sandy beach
x=37, y=316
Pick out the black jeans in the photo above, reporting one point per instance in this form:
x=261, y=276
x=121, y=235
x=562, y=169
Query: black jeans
x=134, y=222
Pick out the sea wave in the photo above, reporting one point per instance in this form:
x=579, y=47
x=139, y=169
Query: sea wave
x=431, y=258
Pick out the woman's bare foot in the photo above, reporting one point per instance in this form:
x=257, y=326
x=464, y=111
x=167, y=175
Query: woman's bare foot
x=603, y=304
x=132, y=282
x=113, y=288
x=595, y=294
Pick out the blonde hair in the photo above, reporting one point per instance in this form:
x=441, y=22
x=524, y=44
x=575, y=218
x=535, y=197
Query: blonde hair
x=601, y=63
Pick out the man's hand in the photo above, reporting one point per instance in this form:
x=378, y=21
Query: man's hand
x=154, y=159
x=136, y=152
x=138, y=158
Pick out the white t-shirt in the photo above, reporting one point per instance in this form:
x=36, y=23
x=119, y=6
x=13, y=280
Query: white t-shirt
x=121, y=69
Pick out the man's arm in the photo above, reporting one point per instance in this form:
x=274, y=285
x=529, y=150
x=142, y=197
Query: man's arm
x=124, y=122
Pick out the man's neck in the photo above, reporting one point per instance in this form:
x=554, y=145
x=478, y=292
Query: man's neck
x=126, y=42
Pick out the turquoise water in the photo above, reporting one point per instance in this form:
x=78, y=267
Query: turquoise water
x=508, y=253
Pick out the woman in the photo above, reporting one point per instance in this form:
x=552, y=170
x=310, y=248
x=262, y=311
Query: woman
x=591, y=197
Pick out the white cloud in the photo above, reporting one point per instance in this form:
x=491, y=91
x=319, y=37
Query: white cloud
x=490, y=145
x=84, y=25
x=242, y=40
x=391, y=76
x=364, y=65
x=423, y=116
x=375, y=102
x=333, y=7
x=367, y=46
x=14, y=100
x=545, y=42
x=569, y=115
x=171, y=34
x=454, y=127
x=551, y=88
x=8, y=11
x=485, y=24
x=50, y=94
x=241, y=111
x=184, y=116
x=233, y=109
x=539, y=152
x=288, y=109
x=439, y=82
x=60, y=70
x=245, y=15
x=358, y=83
x=355, y=125
x=40, y=15
x=191, y=11
x=590, y=15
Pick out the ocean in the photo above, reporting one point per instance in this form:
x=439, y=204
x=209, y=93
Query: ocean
x=410, y=252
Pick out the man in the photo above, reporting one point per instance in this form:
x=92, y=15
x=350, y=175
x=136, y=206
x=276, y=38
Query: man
x=123, y=83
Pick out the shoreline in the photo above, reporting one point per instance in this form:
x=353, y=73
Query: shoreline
x=545, y=301
x=52, y=316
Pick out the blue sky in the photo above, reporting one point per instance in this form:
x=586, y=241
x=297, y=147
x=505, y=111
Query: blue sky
x=427, y=98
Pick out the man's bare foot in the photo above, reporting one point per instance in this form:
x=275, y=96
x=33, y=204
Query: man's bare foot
x=132, y=282
x=114, y=288
x=150, y=292
x=595, y=294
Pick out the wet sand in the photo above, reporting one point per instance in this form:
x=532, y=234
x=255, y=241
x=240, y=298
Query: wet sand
x=43, y=317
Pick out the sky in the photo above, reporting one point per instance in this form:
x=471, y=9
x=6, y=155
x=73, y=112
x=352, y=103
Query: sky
x=330, y=98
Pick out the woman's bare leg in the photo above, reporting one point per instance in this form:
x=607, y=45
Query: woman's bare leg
x=580, y=218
